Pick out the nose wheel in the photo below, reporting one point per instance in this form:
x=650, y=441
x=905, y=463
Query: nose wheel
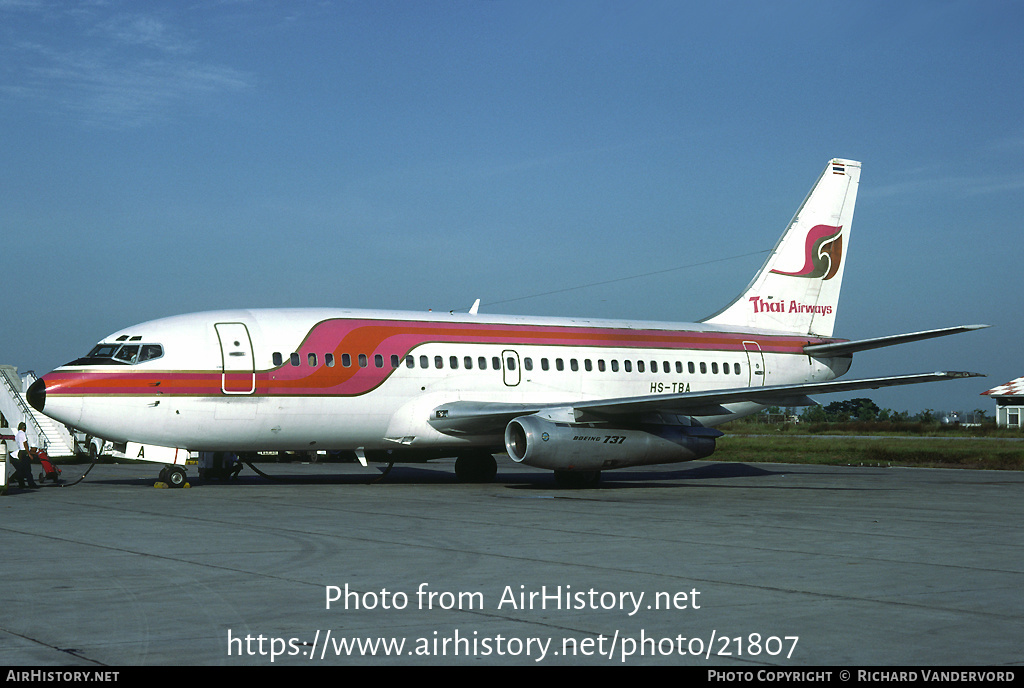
x=174, y=476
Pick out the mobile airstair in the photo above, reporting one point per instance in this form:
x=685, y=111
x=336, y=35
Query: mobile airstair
x=42, y=431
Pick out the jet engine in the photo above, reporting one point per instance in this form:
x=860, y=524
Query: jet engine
x=542, y=443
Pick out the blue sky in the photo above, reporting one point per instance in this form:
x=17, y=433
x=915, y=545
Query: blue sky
x=162, y=158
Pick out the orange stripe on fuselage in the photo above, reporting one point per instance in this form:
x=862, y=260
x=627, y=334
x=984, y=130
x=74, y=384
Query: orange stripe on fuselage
x=395, y=337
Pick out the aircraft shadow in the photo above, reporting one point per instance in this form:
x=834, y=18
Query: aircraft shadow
x=407, y=474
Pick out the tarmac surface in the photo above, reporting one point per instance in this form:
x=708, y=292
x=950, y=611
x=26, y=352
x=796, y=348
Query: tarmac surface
x=708, y=564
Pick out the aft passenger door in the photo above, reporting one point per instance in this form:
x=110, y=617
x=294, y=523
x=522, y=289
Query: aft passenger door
x=755, y=364
x=239, y=376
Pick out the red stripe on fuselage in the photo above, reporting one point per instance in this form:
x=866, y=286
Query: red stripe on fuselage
x=395, y=337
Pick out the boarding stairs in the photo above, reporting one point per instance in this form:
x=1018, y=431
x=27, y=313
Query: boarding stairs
x=42, y=431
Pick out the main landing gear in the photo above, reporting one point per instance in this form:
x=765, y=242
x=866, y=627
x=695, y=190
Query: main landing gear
x=477, y=467
x=577, y=480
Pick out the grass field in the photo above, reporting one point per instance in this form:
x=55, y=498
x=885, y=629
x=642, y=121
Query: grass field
x=853, y=444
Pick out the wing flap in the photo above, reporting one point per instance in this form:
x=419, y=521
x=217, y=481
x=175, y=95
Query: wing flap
x=773, y=395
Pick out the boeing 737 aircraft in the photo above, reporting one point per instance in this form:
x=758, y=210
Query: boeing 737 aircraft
x=573, y=395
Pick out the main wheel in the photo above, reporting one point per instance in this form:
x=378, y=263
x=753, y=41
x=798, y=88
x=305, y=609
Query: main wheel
x=577, y=480
x=476, y=468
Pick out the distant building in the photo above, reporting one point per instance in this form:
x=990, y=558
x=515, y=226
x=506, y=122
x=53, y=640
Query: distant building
x=1009, y=403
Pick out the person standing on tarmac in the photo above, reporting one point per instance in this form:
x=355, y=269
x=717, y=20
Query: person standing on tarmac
x=23, y=464
x=3, y=461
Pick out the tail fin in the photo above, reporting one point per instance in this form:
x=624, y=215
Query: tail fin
x=797, y=288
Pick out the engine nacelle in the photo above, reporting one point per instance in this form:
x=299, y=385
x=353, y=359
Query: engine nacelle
x=538, y=442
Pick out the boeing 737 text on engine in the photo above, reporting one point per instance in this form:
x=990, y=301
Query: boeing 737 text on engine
x=572, y=395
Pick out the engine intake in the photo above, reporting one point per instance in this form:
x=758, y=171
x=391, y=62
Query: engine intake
x=538, y=442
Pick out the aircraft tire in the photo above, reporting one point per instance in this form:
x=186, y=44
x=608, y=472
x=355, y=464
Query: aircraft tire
x=476, y=468
x=176, y=477
x=577, y=480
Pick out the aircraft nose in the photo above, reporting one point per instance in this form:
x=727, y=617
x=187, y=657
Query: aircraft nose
x=36, y=395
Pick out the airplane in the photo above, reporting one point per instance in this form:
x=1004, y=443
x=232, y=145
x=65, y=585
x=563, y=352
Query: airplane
x=573, y=395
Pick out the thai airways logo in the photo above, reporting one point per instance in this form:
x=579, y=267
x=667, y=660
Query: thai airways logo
x=823, y=253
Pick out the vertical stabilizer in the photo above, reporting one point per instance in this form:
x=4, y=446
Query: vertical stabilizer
x=797, y=288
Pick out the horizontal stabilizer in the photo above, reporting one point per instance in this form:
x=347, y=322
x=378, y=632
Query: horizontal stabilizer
x=846, y=348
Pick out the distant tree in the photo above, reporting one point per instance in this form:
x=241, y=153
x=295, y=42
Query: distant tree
x=814, y=414
x=867, y=409
x=858, y=409
x=838, y=411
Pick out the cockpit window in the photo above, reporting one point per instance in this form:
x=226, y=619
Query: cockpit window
x=150, y=351
x=103, y=351
x=128, y=353
x=118, y=354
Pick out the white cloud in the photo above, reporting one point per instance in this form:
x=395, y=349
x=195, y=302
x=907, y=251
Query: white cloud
x=111, y=71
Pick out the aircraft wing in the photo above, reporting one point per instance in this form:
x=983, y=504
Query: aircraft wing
x=482, y=418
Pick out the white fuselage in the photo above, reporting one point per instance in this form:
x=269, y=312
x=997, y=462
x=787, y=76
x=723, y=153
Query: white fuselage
x=331, y=379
